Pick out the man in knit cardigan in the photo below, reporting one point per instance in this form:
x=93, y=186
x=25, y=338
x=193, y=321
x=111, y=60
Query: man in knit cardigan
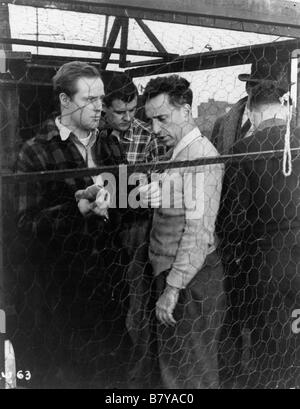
x=187, y=276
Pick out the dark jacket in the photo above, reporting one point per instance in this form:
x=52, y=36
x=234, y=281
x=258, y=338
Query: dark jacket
x=258, y=201
x=227, y=128
x=48, y=217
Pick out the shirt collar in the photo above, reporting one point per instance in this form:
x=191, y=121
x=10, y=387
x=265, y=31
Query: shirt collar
x=129, y=135
x=65, y=132
x=268, y=123
x=186, y=140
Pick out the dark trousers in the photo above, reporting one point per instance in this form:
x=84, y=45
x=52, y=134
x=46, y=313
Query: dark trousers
x=184, y=355
x=267, y=295
x=60, y=305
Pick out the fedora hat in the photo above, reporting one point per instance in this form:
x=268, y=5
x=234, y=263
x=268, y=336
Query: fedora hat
x=276, y=72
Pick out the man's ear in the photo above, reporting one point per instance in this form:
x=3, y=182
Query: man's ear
x=64, y=99
x=187, y=111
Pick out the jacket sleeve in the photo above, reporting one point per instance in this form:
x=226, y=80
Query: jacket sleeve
x=232, y=218
x=217, y=133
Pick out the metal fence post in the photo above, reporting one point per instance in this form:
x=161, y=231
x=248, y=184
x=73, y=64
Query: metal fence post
x=2, y=302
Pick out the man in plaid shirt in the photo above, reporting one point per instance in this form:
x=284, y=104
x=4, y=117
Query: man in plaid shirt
x=128, y=138
x=63, y=261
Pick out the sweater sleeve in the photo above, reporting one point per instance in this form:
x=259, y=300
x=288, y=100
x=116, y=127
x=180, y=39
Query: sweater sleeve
x=201, y=193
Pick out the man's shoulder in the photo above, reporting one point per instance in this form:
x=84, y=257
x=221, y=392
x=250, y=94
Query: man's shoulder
x=47, y=131
x=262, y=139
x=236, y=108
x=200, y=147
x=43, y=137
x=141, y=126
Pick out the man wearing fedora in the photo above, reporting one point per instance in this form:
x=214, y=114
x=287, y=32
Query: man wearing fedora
x=238, y=127
x=235, y=124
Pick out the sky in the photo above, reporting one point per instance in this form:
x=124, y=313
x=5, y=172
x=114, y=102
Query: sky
x=83, y=28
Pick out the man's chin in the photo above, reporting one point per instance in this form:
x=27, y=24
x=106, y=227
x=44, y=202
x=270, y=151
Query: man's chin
x=94, y=124
x=124, y=127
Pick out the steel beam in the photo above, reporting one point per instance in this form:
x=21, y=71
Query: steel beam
x=110, y=42
x=154, y=40
x=276, y=17
x=124, y=41
x=223, y=58
x=67, y=46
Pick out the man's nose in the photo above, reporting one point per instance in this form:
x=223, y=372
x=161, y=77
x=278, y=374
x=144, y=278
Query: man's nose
x=98, y=105
x=155, y=127
x=127, y=116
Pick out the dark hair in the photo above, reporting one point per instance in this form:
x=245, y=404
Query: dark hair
x=120, y=87
x=265, y=93
x=66, y=77
x=176, y=87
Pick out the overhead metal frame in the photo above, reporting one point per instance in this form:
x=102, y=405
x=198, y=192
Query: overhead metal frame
x=275, y=17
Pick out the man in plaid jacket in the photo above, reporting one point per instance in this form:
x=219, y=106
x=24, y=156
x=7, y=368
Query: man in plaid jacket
x=63, y=240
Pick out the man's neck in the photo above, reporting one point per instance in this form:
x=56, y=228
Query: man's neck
x=189, y=127
x=79, y=132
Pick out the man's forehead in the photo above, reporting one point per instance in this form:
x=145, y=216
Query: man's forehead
x=88, y=85
x=159, y=105
x=119, y=104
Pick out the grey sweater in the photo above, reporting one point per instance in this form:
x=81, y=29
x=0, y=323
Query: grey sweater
x=183, y=228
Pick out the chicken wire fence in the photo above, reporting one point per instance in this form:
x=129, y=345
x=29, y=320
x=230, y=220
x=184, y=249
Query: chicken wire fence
x=79, y=293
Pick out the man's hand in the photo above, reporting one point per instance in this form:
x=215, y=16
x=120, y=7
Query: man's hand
x=150, y=195
x=93, y=200
x=166, y=304
x=84, y=206
x=101, y=203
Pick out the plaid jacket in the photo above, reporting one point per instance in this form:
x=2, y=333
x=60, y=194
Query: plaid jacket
x=47, y=209
x=135, y=145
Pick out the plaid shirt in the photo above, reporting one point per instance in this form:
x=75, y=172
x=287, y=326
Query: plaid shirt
x=137, y=144
x=48, y=208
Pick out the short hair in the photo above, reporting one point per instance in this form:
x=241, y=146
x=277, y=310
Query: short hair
x=68, y=74
x=265, y=93
x=120, y=87
x=176, y=87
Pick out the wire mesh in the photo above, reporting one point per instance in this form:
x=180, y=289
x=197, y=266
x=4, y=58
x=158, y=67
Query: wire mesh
x=79, y=292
